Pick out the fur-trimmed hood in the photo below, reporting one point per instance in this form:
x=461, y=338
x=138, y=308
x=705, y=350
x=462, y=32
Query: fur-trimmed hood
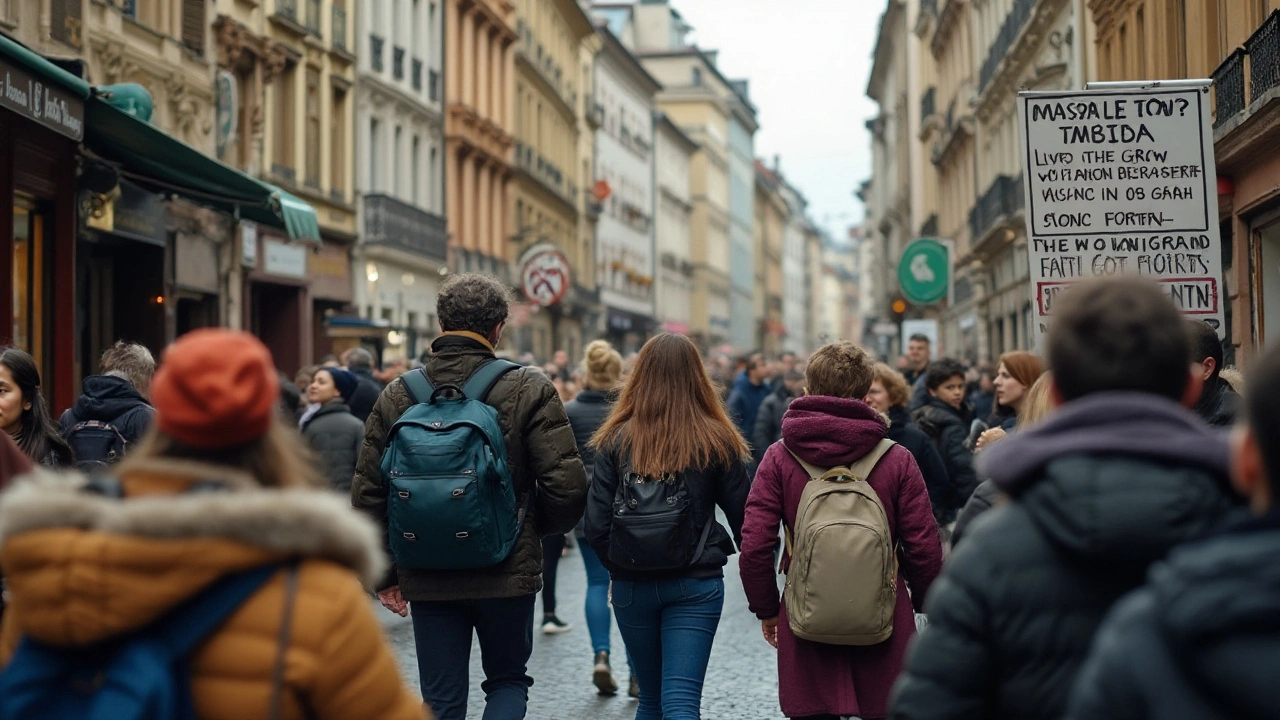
x=83, y=567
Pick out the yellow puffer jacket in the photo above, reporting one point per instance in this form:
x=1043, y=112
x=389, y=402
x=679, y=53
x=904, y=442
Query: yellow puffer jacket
x=82, y=568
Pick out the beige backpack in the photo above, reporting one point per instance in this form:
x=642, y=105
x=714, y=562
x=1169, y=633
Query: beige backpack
x=842, y=586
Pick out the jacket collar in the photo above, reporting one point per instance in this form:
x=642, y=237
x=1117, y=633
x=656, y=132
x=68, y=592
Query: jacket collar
x=454, y=338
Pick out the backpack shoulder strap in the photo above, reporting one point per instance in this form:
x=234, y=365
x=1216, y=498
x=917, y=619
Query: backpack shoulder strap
x=814, y=471
x=193, y=621
x=419, y=385
x=484, y=378
x=862, y=469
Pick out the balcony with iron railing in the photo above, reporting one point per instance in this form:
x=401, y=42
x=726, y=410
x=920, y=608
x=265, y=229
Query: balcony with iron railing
x=1248, y=75
x=1228, y=88
x=998, y=205
x=397, y=63
x=375, y=52
x=1014, y=22
x=391, y=222
x=339, y=28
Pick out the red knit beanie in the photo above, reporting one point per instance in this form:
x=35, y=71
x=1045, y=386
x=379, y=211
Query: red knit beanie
x=215, y=389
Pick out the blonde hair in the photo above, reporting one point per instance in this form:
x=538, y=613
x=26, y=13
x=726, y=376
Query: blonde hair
x=894, y=384
x=1037, y=404
x=279, y=459
x=603, y=366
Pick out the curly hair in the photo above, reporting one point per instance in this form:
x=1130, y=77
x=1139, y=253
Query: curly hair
x=472, y=302
x=840, y=369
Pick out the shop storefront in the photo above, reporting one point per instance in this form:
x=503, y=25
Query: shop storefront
x=329, y=270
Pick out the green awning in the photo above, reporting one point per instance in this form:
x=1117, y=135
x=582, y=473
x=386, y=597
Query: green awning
x=37, y=65
x=150, y=157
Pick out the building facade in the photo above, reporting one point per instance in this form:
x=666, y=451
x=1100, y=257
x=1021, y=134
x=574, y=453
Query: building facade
x=623, y=94
x=674, y=277
x=744, y=323
x=771, y=217
x=479, y=125
x=399, y=131
x=795, y=267
x=1235, y=43
x=550, y=88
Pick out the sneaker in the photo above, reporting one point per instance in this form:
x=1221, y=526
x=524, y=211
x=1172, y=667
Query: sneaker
x=552, y=625
x=634, y=690
x=603, y=675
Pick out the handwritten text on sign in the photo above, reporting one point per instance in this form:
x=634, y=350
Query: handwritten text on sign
x=1122, y=182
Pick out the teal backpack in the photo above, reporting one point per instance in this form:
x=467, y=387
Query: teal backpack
x=451, y=504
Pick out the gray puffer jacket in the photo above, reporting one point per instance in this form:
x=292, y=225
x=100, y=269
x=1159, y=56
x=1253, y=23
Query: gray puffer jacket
x=336, y=435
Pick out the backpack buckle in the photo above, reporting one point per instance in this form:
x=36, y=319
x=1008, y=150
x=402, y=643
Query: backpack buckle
x=404, y=494
x=410, y=536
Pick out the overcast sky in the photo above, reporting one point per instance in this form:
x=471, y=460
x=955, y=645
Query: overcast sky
x=808, y=62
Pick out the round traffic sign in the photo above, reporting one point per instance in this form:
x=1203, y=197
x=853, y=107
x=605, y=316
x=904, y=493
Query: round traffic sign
x=924, y=271
x=546, y=277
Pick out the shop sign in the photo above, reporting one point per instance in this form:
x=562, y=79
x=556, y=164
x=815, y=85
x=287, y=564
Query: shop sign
x=139, y=215
x=1120, y=180
x=284, y=259
x=329, y=268
x=227, y=111
x=545, y=277
x=49, y=105
x=248, y=243
x=924, y=272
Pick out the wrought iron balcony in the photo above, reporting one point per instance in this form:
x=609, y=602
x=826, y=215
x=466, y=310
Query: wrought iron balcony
x=1228, y=88
x=928, y=103
x=1009, y=32
x=390, y=222
x=375, y=53
x=416, y=74
x=397, y=63
x=433, y=85
x=339, y=28
x=1000, y=202
x=313, y=17
x=1264, y=56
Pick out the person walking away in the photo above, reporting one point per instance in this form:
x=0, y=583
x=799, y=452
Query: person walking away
x=667, y=444
x=112, y=414
x=1199, y=641
x=334, y=433
x=945, y=418
x=749, y=391
x=768, y=429
x=24, y=416
x=1218, y=403
x=451, y=594
x=1116, y=476
x=831, y=427
x=888, y=395
x=220, y=488
x=360, y=362
x=1017, y=372
x=587, y=413
x=1036, y=405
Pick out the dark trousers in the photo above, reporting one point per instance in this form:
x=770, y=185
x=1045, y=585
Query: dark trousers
x=442, y=633
x=552, y=549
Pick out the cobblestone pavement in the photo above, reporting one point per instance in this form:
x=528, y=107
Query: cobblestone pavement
x=742, y=679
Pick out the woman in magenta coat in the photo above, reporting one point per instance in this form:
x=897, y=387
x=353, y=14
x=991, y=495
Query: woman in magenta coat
x=830, y=427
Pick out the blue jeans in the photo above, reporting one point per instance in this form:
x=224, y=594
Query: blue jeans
x=669, y=626
x=442, y=634
x=599, y=616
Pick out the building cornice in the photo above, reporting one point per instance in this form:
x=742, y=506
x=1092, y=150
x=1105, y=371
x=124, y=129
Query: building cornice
x=380, y=92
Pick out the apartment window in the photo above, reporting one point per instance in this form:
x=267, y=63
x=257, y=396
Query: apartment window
x=375, y=142
x=193, y=24
x=433, y=167
x=697, y=76
x=338, y=144
x=313, y=128
x=284, y=123
x=415, y=176
x=399, y=153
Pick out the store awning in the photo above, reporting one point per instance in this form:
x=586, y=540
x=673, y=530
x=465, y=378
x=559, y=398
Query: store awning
x=153, y=158
x=34, y=63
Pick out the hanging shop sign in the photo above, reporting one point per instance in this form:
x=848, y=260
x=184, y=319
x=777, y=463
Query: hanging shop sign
x=1120, y=180
x=37, y=100
x=546, y=277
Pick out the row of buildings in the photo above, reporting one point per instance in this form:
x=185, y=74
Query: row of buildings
x=945, y=145
x=311, y=170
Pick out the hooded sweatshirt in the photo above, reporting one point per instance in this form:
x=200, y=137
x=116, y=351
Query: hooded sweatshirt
x=1105, y=487
x=114, y=400
x=1200, y=642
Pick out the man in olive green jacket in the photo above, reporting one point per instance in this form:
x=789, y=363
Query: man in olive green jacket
x=495, y=602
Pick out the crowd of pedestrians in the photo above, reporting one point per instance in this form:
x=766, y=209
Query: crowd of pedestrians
x=1069, y=534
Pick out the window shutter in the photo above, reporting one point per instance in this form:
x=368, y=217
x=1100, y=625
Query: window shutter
x=67, y=17
x=193, y=24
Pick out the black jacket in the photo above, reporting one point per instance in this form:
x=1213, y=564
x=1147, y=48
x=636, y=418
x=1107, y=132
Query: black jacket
x=366, y=394
x=1200, y=642
x=941, y=492
x=587, y=413
x=768, y=429
x=1218, y=404
x=985, y=497
x=949, y=429
x=1103, y=488
x=110, y=399
x=336, y=436
x=726, y=488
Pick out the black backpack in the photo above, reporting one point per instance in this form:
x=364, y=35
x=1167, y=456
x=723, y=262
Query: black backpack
x=96, y=445
x=654, y=524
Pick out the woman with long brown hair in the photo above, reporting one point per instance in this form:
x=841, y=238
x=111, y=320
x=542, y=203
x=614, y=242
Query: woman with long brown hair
x=666, y=457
